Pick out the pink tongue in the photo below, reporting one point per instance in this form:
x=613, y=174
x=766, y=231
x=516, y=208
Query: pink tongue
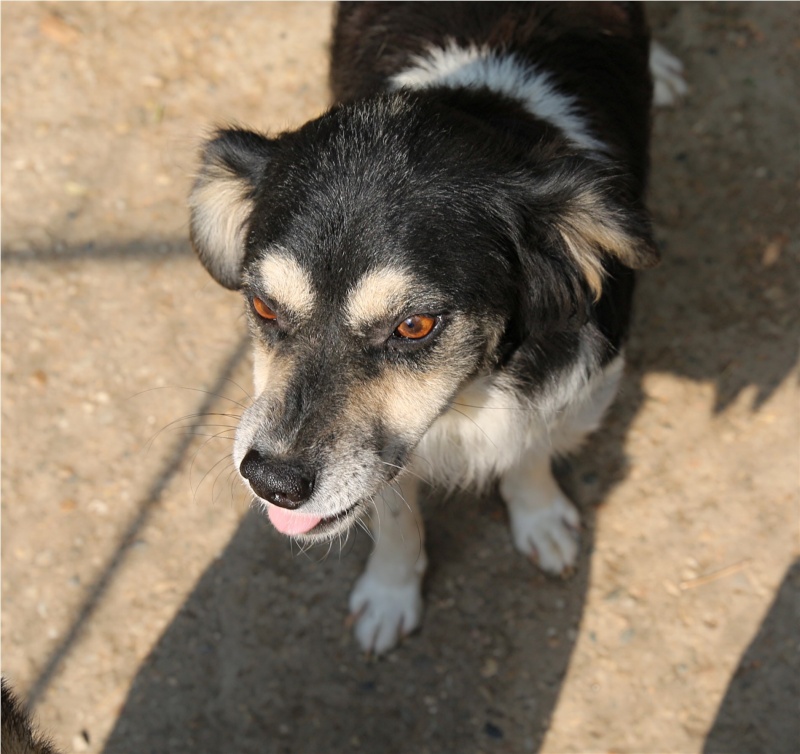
x=291, y=522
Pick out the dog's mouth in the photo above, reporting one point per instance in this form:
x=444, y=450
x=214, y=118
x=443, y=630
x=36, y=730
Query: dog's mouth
x=310, y=527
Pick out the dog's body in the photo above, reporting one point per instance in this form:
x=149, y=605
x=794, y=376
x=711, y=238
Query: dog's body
x=438, y=273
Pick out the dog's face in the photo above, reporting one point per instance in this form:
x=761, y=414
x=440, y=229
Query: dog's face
x=387, y=259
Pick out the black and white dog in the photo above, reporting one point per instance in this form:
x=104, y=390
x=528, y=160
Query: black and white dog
x=437, y=272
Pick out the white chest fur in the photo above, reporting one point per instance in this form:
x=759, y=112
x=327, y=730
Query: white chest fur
x=489, y=427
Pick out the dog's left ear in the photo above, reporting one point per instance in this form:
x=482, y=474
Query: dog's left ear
x=596, y=216
x=223, y=198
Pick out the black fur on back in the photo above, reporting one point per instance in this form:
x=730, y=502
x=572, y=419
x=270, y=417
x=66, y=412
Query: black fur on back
x=596, y=52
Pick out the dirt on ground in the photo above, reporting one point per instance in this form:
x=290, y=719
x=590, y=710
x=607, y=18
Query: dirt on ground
x=145, y=609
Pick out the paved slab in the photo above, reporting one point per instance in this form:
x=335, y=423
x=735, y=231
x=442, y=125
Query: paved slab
x=145, y=610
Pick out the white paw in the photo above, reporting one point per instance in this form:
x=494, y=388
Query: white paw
x=668, y=83
x=384, y=613
x=548, y=535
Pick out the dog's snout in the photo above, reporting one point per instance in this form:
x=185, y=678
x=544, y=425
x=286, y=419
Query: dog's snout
x=287, y=484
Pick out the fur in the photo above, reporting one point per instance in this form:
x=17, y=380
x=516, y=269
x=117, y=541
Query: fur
x=18, y=733
x=480, y=178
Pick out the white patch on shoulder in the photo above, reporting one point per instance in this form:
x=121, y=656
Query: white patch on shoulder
x=475, y=67
x=287, y=283
x=377, y=295
x=669, y=85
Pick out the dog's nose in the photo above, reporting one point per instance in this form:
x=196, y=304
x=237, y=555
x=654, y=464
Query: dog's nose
x=285, y=483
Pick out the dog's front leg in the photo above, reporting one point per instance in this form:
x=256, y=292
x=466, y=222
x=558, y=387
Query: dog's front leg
x=387, y=599
x=544, y=523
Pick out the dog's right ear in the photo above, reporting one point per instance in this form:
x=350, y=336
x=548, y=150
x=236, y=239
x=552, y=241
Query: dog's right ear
x=223, y=198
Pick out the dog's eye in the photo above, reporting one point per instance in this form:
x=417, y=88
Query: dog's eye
x=263, y=311
x=416, y=327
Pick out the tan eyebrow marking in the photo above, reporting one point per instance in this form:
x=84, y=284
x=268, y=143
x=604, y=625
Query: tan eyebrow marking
x=378, y=295
x=288, y=284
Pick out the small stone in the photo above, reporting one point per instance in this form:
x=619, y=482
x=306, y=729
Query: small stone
x=627, y=635
x=773, y=250
x=493, y=731
x=152, y=81
x=56, y=29
x=38, y=378
x=98, y=507
x=489, y=669
x=73, y=188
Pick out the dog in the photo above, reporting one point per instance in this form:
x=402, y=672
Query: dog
x=18, y=733
x=437, y=274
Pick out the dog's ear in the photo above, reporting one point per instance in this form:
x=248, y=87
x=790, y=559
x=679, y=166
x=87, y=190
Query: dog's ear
x=596, y=217
x=223, y=198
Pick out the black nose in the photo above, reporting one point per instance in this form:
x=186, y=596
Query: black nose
x=288, y=484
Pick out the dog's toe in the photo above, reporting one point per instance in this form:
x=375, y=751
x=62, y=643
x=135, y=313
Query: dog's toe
x=384, y=613
x=548, y=535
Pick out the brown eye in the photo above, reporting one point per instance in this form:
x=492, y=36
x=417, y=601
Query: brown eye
x=416, y=327
x=262, y=309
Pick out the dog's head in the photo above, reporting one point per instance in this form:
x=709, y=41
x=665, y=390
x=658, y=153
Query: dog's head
x=389, y=252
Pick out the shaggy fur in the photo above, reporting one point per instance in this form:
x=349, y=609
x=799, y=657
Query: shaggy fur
x=482, y=173
x=18, y=735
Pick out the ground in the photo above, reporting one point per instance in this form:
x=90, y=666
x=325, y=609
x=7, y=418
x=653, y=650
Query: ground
x=145, y=610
